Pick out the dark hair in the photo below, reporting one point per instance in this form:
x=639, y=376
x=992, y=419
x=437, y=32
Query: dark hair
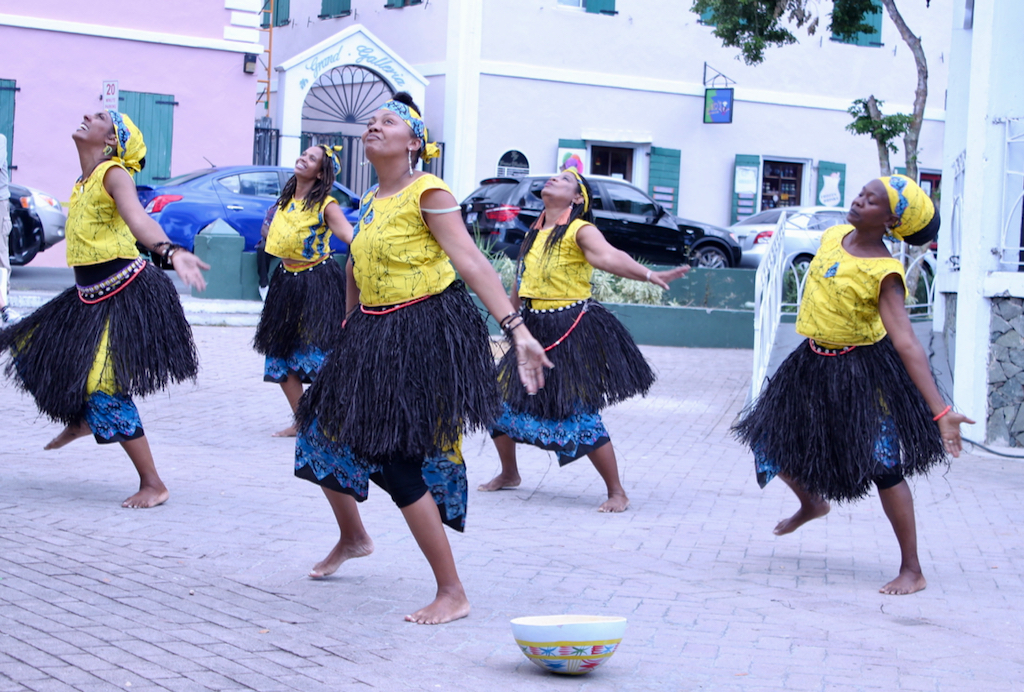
x=926, y=234
x=406, y=98
x=558, y=232
x=322, y=186
x=142, y=163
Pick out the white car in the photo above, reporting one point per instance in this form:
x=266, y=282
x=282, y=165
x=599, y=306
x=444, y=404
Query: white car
x=804, y=226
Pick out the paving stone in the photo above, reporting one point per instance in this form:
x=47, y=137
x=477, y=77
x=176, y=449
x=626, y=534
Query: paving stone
x=209, y=590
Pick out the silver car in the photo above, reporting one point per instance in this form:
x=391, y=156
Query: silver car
x=804, y=226
x=50, y=212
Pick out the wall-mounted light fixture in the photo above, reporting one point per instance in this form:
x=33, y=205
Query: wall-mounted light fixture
x=249, y=63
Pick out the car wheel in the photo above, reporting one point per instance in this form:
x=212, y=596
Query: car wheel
x=802, y=263
x=25, y=241
x=710, y=256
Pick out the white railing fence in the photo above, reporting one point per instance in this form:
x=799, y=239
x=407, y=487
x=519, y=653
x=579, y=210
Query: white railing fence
x=768, y=304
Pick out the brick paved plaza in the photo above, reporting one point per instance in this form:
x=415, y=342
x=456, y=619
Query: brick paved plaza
x=208, y=592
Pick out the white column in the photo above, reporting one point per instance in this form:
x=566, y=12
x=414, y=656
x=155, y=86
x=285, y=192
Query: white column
x=289, y=114
x=462, y=94
x=983, y=184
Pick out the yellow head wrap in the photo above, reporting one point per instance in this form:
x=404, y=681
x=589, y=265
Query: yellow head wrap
x=910, y=203
x=131, y=148
x=410, y=117
x=332, y=151
x=583, y=189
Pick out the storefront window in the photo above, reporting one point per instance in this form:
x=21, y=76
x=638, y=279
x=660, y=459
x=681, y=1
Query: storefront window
x=781, y=184
x=615, y=162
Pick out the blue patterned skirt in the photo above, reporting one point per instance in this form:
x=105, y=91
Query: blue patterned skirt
x=337, y=468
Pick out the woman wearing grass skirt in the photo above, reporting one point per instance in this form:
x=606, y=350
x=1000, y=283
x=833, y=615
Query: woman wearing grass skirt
x=305, y=305
x=855, y=404
x=596, y=362
x=413, y=368
x=121, y=332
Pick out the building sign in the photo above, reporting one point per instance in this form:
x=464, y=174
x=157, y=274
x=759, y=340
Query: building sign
x=571, y=157
x=718, y=106
x=110, y=95
x=367, y=56
x=513, y=164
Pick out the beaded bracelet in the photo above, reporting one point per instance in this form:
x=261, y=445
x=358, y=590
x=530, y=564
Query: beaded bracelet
x=507, y=318
x=944, y=412
x=512, y=326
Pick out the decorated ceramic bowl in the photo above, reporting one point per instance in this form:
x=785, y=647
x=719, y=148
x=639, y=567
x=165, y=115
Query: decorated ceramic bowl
x=569, y=644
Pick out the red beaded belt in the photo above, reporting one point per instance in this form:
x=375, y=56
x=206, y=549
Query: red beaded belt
x=384, y=311
x=824, y=351
x=112, y=284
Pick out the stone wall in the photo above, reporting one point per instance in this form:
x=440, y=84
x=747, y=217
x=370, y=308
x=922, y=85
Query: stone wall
x=1006, y=373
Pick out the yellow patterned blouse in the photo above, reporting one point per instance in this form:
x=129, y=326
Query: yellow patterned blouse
x=395, y=257
x=297, y=233
x=840, y=303
x=559, y=277
x=95, y=231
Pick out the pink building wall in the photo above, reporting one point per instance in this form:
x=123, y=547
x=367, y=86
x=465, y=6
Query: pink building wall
x=59, y=76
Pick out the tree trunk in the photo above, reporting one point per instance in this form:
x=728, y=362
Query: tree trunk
x=883, y=147
x=913, y=136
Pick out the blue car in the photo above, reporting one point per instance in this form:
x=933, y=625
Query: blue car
x=240, y=195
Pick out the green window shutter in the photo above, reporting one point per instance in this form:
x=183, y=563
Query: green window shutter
x=153, y=114
x=901, y=170
x=745, y=183
x=866, y=38
x=335, y=8
x=664, y=177
x=601, y=6
x=282, y=11
x=707, y=18
x=7, y=92
x=831, y=184
x=265, y=15
x=572, y=144
x=394, y=3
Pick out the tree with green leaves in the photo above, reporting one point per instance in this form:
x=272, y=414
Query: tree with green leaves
x=754, y=25
x=868, y=120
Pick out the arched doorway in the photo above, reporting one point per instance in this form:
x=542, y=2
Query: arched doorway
x=336, y=110
x=331, y=88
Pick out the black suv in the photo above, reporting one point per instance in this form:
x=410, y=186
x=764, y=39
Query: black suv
x=501, y=210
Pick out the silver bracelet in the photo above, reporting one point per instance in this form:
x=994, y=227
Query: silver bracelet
x=648, y=279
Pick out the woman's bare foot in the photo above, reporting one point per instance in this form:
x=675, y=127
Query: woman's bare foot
x=287, y=432
x=148, y=496
x=68, y=434
x=908, y=582
x=500, y=482
x=812, y=509
x=450, y=604
x=342, y=551
x=616, y=502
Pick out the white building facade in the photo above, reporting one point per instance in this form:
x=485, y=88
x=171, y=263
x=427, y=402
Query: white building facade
x=980, y=283
x=511, y=86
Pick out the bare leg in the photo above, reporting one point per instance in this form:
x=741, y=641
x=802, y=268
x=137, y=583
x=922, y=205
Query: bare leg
x=152, y=491
x=603, y=459
x=509, y=476
x=354, y=541
x=898, y=503
x=292, y=388
x=450, y=603
x=68, y=434
x=811, y=507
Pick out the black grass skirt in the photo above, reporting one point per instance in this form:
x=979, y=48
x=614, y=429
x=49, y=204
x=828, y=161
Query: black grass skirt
x=53, y=349
x=408, y=383
x=835, y=423
x=302, y=309
x=597, y=364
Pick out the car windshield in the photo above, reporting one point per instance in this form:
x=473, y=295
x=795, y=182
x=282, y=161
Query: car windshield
x=181, y=179
x=344, y=199
x=628, y=200
x=769, y=216
x=256, y=184
x=492, y=192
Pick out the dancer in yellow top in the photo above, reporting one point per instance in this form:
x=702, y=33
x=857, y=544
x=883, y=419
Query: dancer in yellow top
x=305, y=305
x=413, y=369
x=855, y=404
x=596, y=361
x=121, y=332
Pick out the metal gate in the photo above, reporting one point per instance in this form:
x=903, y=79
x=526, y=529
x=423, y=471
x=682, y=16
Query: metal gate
x=265, y=146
